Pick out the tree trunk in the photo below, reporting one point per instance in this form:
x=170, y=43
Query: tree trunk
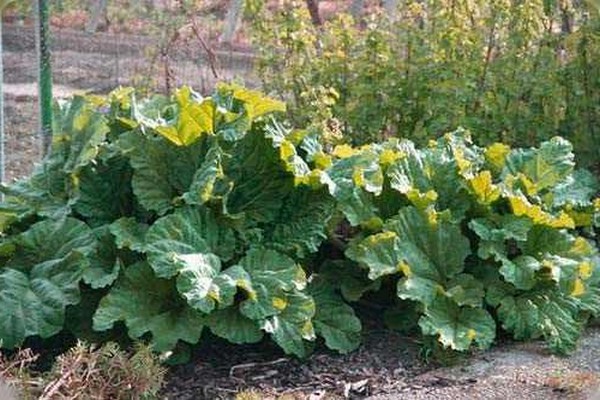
x=313, y=9
x=232, y=20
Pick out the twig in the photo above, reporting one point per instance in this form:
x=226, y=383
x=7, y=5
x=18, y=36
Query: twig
x=212, y=58
x=54, y=387
x=253, y=365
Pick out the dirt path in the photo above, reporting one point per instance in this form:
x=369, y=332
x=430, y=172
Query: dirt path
x=516, y=371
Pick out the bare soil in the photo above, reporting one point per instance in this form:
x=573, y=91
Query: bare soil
x=389, y=366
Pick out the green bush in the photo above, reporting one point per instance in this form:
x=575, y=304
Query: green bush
x=516, y=72
x=171, y=216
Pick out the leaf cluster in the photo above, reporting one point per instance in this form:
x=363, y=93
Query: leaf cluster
x=169, y=217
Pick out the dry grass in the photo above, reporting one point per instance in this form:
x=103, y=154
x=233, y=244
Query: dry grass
x=84, y=372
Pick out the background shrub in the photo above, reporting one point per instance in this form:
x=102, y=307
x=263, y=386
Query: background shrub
x=517, y=72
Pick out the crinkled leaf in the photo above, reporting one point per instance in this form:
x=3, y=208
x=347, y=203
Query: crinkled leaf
x=577, y=190
x=148, y=304
x=104, y=191
x=174, y=240
x=458, y=327
x=280, y=138
x=545, y=167
x=51, y=240
x=33, y=300
x=233, y=326
x=129, y=234
x=353, y=180
x=465, y=290
x=548, y=314
x=162, y=171
x=45, y=193
x=273, y=276
x=520, y=271
x=104, y=264
x=379, y=252
x=206, y=185
x=506, y=227
x=301, y=225
x=334, y=319
x=293, y=325
x=79, y=130
x=260, y=183
x=430, y=176
x=204, y=286
x=430, y=253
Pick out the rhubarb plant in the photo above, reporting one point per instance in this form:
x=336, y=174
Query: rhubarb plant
x=172, y=216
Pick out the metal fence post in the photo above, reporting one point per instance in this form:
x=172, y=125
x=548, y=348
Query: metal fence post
x=45, y=72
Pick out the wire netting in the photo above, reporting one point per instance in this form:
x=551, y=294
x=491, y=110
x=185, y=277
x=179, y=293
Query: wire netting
x=97, y=45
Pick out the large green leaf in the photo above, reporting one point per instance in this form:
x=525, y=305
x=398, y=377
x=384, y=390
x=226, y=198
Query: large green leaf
x=104, y=191
x=545, y=167
x=33, y=300
x=162, y=171
x=458, y=327
x=79, y=130
x=258, y=178
x=293, y=325
x=273, y=276
x=42, y=277
x=431, y=253
x=577, y=190
x=45, y=193
x=148, y=304
x=334, y=320
x=229, y=324
x=51, y=240
x=353, y=181
x=520, y=271
x=301, y=224
x=173, y=241
x=547, y=314
x=379, y=252
x=431, y=176
x=104, y=262
x=208, y=182
x=204, y=286
x=129, y=234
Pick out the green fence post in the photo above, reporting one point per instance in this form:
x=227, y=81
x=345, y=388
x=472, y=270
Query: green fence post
x=45, y=73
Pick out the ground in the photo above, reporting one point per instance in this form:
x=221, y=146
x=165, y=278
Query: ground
x=387, y=366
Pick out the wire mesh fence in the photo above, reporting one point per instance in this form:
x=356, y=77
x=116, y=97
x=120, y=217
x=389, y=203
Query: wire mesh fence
x=98, y=45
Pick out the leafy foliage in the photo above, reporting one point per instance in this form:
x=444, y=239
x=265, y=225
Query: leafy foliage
x=166, y=217
x=510, y=72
